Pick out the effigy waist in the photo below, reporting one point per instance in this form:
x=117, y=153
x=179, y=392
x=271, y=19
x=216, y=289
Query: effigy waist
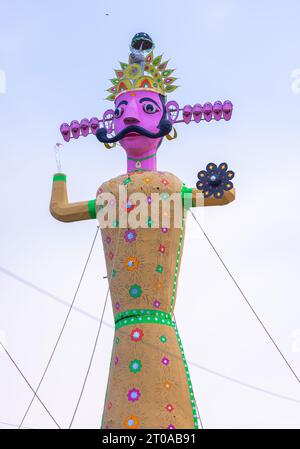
x=136, y=316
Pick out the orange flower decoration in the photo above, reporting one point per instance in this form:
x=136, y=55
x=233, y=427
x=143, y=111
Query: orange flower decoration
x=167, y=385
x=131, y=263
x=131, y=422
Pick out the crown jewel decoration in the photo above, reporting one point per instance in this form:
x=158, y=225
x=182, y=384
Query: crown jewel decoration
x=143, y=70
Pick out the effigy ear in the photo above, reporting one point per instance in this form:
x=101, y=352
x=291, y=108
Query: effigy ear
x=172, y=108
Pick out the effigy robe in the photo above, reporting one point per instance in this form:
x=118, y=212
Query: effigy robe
x=149, y=385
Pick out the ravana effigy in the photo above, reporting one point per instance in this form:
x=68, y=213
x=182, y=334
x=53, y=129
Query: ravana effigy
x=142, y=215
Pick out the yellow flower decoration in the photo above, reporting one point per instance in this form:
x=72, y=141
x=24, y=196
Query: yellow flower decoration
x=147, y=179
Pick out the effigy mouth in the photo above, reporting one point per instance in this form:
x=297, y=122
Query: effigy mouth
x=164, y=128
x=132, y=134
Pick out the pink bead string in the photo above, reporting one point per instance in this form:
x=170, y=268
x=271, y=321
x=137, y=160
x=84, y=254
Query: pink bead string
x=197, y=113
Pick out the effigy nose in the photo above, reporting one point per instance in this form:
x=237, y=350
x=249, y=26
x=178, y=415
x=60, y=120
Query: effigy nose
x=131, y=121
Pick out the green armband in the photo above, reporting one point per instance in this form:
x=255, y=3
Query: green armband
x=185, y=190
x=187, y=196
x=92, y=208
x=59, y=177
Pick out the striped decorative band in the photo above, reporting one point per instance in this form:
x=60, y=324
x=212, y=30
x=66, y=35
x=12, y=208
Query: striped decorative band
x=136, y=316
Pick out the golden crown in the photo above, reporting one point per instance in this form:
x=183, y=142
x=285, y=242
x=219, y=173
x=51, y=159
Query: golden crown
x=152, y=74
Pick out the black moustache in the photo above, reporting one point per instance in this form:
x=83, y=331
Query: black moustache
x=164, y=127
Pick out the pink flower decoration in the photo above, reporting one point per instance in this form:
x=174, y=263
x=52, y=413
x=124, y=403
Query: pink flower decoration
x=169, y=408
x=164, y=230
x=130, y=236
x=116, y=360
x=133, y=395
x=117, y=305
x=165, y=361
x=108, y=239
x=156, y=304
x=170, y=426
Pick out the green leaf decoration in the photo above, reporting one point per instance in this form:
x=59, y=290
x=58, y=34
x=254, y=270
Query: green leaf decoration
x=149, y=57
x=112, y=90
x=170, y=88
x=119, y=73
x=170, y=80
x=156, y=61
x=111, y=97
x=115, y=81
x=123, y=65
x=167, y=73
x=163, y=65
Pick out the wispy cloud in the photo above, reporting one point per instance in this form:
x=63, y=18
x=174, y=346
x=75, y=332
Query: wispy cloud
x=296, y=81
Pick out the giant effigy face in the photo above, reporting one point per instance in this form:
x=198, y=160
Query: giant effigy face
x=138, y=116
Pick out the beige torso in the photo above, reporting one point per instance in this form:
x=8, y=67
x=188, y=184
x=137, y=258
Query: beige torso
x=148, y=385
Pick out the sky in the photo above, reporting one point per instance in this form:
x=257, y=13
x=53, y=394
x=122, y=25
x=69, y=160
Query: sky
x=55, y=62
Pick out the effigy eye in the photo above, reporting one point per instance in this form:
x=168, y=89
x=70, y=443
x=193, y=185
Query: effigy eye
x=150, y=108
x=118, y=112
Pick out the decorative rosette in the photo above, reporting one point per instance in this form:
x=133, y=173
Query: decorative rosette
x=215, y=180
x=133, y=71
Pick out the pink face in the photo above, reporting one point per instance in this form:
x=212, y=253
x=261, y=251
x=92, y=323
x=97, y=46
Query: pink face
x=140, y=108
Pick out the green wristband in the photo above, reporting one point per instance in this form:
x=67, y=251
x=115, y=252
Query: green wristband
x=185, y=190
x=186, y=195
x=59, y=177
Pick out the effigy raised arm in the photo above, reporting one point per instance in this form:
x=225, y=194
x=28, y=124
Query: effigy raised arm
x=60, y=207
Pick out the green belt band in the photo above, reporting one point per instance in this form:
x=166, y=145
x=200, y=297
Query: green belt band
x=136, y=316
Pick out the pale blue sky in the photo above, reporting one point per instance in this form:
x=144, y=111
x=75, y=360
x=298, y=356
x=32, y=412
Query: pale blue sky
x=58, y=57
